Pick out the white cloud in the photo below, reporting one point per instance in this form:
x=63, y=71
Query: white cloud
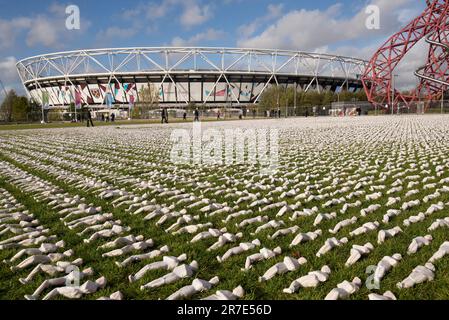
x=46, y=29
x=309, y=29
x=194, y=14
x=209, y=35
x=8, y=71
x=273, y=12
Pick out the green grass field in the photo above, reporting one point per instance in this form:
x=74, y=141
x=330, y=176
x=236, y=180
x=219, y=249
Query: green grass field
x=316, y=156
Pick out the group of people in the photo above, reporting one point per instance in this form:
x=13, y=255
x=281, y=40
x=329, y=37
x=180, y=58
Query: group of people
x=164, y=115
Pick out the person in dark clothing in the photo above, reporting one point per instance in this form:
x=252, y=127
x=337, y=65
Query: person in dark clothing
x=184, y=116
x=218, y=115
x=197, y=115
x=89, y=119
x=103, y=118
x=113, y=117
x=164, y=115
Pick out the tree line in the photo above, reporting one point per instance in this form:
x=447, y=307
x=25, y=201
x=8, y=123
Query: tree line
x=280, y=97
x=16, y=108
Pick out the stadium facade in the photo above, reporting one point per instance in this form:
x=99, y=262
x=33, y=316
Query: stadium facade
x=181, y=76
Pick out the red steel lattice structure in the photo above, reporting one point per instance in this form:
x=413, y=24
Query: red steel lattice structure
x=432, y=25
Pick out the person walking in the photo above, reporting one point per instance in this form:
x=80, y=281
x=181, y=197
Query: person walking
x=184, y=116
x=113, y=117
x=164, y=116
x=218, y=115
x=89, y=119
x=197, y=115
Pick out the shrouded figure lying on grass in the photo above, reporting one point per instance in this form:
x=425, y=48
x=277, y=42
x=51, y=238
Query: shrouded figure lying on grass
x=385, y=265
x=178, y=273
x=288, y=265
x=284, y=232
x=330, y=244
x=343, y=224
x=357, y=252
x=146, y=256
x=273, y=224
x=38, y=259
x=419, y=275
x=116, y=296
x=168, y=263
x=52, y=270
x=311, y=280
x=367, y=227
x=122, y=241
x=306, y=237
x=192, y=228
x=26, y=236
x=88, y=287
x=441, y=253
x=225, y=239
x=418, y=243
x=196, y=287
x=386, y=296
x=383, y=235
x=89, y=221
x=344, y=290
x=211, y=233
x=243, y=247
x=109, y=233
x=99, y=227
x=225, y=295
x=439, y=223
x=45, y=248
x=264, y=254
x=60, y=282
x=138, y=246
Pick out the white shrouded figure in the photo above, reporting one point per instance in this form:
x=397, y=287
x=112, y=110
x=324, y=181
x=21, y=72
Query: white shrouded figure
x=385, y=265
x=45, y=248
x=367, y=227
x=88, y=287
x=168, y=263
x=50, y=269
x=122, y=241
x=418, y=243
x=414, y=219
x=108, y=233
x=383, y=235
x=391, y=213
x=288, y=265
x=225, y=239
x=306, y=237
x=73, y=276
x=116, y=296
x=138, y=246
x=311, y=280
x=243, y=247
x=211, y=233
x=343, y=224
x=192, y=228
x=357, y=252
x=146, y=256
x=330, y=244
x=38, y=259
x=181, y=272
x=264, y=254
x=419, y=275
x=273, y=224
x=344, y=289
x=441, y=253
x=324, y=217
x=196, y=287
x=284, y=232
x=371, y=209
x=439, y=223
x=247, y=222
x=385, y=297
x=226, y=295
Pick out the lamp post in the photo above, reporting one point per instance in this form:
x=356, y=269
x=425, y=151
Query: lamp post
x=442, y=100
x=394, y=92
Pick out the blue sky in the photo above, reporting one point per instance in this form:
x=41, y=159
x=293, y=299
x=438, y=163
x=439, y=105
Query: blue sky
x=35, y=27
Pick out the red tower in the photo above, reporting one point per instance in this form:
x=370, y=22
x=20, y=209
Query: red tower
x=433, y=26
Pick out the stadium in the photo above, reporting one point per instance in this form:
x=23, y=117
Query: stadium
x=178, y=77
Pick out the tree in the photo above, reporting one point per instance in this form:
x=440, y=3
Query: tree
x=148, y=100
x=20, y=109
x=7, y=106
